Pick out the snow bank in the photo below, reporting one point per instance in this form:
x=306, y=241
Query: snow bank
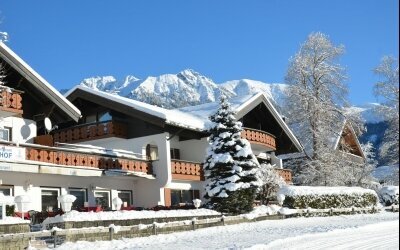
x=327, y=197
x=389, y=195
x=262, y=210
x=127, y=215
x=13, y=220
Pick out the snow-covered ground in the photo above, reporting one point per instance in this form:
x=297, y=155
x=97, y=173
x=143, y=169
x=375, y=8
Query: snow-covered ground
x=384, y=235
x=267, y=232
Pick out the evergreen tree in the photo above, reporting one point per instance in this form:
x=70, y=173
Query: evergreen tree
x=230, y=167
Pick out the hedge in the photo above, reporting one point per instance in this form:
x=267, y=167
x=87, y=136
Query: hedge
x=327, y=197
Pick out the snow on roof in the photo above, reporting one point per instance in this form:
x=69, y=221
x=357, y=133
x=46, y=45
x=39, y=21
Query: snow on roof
x=171, y=116
x=39, y=82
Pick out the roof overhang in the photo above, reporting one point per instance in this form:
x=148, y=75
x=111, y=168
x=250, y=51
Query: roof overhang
x=38, y=82
x=113, y=103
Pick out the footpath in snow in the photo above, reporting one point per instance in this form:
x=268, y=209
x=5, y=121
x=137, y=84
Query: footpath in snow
x=264, y=232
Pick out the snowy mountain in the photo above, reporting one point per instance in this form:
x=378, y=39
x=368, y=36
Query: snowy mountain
x=274, y=91
x=169, y=90
x=185, y=88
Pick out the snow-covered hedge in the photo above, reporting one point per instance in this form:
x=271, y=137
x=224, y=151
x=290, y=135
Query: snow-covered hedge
x=327, y=197
x=389, y=195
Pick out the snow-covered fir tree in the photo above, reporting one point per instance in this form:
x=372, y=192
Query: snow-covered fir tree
x=388, y=89
x=230, y=168
x=271, y=182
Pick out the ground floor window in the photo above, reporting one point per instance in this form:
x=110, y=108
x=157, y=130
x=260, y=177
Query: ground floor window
x=125, y=196
x=81, y=197
x=6, y=190
x=102, y=198
x=49, y=198
x=180, y=197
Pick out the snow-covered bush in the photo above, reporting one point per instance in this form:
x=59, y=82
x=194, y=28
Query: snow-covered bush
x=230, y=169
x=389, y=195
x=321, y=197
x=271, y=180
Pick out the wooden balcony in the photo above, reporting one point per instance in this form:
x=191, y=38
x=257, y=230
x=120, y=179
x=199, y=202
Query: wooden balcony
x=186, y=170
x=88, y=132
x=69, y=157
x=259, y=137
x=11, y=101
x=286, y=174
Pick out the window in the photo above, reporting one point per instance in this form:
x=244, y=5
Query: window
x=102, y=198
x=6, y=190
x=104, y=117
x=5, y=134
x=125, y=196
x=91, y=119
x=175, y=153
x=152, y=152
x=184, y=196
x=81, y=197
x=49, y=198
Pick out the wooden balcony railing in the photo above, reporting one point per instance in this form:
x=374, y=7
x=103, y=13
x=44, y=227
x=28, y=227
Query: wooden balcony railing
x=186, y=170
x=259, y=137
x=69, y=157
x=286, y=174
x=11, y=101
x=89, y=132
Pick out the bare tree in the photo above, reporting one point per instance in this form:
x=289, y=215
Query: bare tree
x=315, y=99
x=388, y=89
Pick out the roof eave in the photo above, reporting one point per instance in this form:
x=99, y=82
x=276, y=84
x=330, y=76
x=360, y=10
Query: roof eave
x=39, y=82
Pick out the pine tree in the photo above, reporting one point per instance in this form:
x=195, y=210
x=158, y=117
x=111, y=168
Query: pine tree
x=230, y=167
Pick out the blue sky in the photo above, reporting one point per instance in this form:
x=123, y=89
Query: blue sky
x=66, y=41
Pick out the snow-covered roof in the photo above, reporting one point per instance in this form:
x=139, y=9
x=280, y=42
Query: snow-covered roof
x=39, y=82
x=195, y=117
x=172, y=117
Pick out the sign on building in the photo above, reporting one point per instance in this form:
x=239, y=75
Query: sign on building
x=12, y=153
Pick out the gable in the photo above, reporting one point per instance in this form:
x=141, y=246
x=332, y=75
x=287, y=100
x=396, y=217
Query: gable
x=349, y=143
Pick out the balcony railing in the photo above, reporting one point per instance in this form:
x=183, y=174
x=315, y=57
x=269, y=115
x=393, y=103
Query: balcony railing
x=186, y=170
x=87, y=132
x=11, y=100
x=286, y=174
x=70, y=157
x=259, y=137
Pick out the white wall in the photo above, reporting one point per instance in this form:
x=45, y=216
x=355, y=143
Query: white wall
x=150, y=192
x=23, y=130
x=21, y=180
x=191, y=150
